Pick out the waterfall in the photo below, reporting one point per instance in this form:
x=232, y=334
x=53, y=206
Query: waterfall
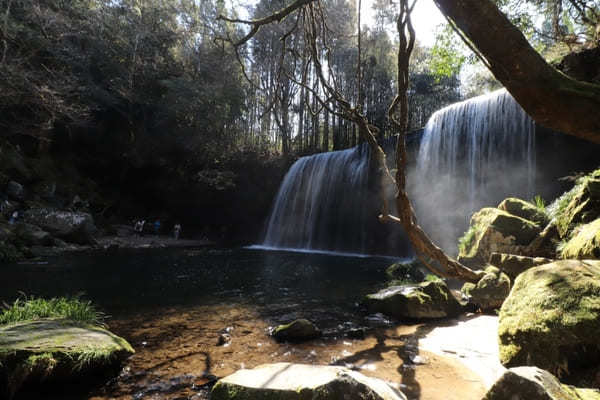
x=472, y=154
x=322, y=204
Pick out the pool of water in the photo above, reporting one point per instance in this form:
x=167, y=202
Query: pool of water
x=126, y=282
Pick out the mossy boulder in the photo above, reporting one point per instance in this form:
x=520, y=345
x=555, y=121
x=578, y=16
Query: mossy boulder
x=513, y=265
x=32, y=235
x=285, y=381
x=425, y=300
x=490, y=291
x=524, y=209
x=531, y=383
x=551, y=318
x=406, y=271
x=584, y=242
x=56, y=350
x=493, y=230
x=580, y=205
x=296, y=331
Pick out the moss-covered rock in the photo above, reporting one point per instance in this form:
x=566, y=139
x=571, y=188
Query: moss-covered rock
x=406, y=271
x=490, y=291
x=493, y=230
x=578, y=206
x=35, y=351
x=285, y=381
x=524, y=209
x=512, y=265
x=551, y=318
x=584, y=242
x=425, y=300
x=32, y=235
x=296, y=331
x=530, y=383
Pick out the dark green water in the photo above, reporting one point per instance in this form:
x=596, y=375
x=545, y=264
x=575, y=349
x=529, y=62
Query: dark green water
x=280, y=284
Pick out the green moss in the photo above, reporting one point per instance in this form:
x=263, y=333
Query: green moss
x=466, y=241
x=552, y=316
x=584, y=242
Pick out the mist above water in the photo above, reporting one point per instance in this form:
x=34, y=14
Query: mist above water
x=472, y=154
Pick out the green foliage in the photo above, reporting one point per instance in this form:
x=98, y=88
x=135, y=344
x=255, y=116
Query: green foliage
x=539, y=203
x=432, y=278
x=72, y=308
x=466, y=241
x=447, y=55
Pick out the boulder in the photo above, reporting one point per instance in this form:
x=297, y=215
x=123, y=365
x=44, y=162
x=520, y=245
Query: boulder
x=75, y=227
x=425, y=300
x=56, y=350
x=512, y=265
x=580, y=205
x=46, y=190
x=285, y=381
x=15, y=191
x=297, y=331
x=490, y=291
x=32, y=235
x=525, y=210
x=530, y=383
x=406, y=271
x=584, y=242
x=494, y=230
x=551, y=318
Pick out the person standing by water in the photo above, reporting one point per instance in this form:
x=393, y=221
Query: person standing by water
x=176, y=231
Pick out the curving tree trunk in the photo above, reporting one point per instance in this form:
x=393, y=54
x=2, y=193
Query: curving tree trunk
x=550, y=97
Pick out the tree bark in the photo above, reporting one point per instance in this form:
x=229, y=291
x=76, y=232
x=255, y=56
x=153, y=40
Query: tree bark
x=550, y=97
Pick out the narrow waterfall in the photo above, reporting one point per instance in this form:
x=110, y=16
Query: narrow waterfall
x=322, y=203
x=472, y=154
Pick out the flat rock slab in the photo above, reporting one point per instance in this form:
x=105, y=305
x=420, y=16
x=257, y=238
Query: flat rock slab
x=286, y=381
x=54, y=349
x=47, y=336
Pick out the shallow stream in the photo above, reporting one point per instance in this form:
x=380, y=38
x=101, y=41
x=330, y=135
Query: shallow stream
x=196, y=314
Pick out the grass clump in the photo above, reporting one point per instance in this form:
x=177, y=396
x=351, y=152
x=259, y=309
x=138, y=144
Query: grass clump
x=71, y=308
x=466, y=241
x=539, y=202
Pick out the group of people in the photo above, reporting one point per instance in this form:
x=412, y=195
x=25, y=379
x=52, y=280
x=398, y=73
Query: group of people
x=138, y=228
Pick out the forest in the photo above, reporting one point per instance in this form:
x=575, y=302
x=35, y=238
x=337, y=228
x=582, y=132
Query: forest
x=294, y=191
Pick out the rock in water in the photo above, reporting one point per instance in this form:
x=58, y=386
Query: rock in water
x=551, y=318
x=422, y=301
x=43, y=350
x=75, y=227
x=297, y=331
x=530, y=383
x=490, y=291
x=285, y=381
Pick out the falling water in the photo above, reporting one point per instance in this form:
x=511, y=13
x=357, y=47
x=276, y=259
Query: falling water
x=322, y=204
x=472, y=154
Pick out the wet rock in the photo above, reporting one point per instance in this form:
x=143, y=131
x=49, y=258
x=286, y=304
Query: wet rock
x=421, y=301
x=32, y=235
x=15, y=191
x=551, y=318
x=490, y=291
x=285, y=381
x=56, y=350
x=512, y=264
x=495, y=231
x=584, y=242
x=525, y=210
x=296, y=331
x=75, y=227
x=530, y=383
